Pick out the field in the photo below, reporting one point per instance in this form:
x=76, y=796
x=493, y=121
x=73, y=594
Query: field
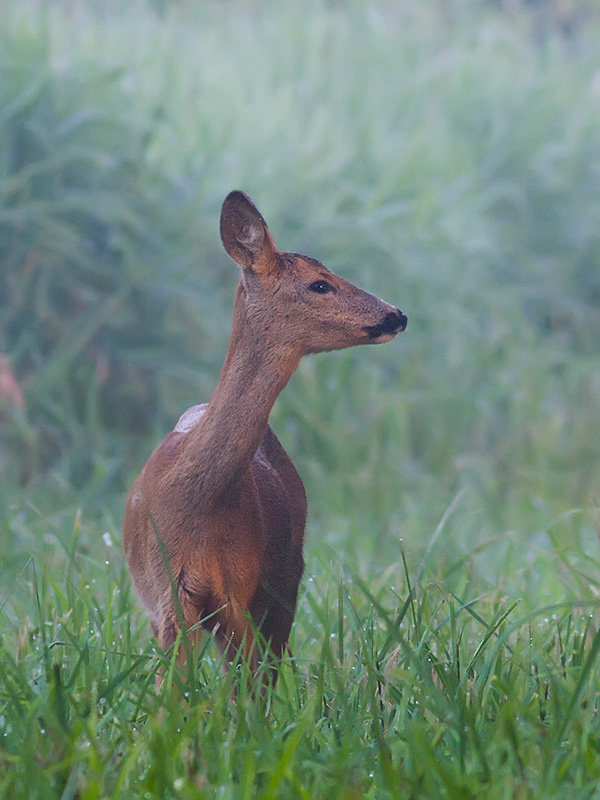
x=444, y=156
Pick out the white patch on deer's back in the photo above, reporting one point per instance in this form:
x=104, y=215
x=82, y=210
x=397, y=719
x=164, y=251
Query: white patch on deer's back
x=189, y=418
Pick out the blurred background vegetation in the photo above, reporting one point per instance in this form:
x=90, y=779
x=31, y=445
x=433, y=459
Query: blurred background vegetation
x=444, y=155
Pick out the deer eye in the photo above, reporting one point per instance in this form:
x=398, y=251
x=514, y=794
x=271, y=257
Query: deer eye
x=321, y=287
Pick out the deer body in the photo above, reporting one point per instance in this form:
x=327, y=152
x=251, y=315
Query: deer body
x=217, y=515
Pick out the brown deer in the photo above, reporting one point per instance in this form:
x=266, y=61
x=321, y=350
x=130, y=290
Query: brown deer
x=214, y=524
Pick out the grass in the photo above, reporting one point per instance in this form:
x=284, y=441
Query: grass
x=399, y=686
x=444, y=157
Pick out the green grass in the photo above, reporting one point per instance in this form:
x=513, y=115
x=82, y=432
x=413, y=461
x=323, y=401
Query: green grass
x=445, y=157
x=399, y=686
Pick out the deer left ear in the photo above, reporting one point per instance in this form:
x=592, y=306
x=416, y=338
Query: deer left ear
x=245, y=234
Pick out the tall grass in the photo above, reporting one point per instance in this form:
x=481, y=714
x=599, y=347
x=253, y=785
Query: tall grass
x=398, y=687
x=443, y=156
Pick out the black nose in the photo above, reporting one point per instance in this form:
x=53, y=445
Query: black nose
x=402, y=320
x=393, y=322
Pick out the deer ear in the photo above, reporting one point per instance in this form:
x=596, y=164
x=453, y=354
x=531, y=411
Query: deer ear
x=245, y=234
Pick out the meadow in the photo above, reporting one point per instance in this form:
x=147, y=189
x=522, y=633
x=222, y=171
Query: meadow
x=444, y=156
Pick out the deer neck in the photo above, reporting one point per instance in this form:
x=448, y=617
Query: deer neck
x=221, y=446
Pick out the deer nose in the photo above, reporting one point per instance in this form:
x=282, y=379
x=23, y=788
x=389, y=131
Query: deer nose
x=402, y=320
x=394, y=322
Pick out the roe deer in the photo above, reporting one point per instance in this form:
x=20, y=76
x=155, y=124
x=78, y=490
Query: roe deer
x=214, y=523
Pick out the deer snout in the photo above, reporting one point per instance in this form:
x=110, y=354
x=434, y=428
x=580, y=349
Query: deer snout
x=402, y=321
x=394, y=322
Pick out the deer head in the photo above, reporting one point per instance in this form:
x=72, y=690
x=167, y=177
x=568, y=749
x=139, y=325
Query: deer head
x=293, y=302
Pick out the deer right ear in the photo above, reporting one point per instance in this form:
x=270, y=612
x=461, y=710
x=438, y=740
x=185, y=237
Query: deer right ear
x=245, y=234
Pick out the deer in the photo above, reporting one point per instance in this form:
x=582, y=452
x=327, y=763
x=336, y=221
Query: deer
x=214, y=524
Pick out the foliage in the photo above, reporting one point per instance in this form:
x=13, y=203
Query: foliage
x=79, y=290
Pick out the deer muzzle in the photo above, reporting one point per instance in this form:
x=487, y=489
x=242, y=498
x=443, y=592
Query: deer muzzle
x=394, y=322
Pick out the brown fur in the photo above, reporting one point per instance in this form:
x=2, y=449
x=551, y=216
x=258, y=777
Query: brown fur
x=219, y=499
